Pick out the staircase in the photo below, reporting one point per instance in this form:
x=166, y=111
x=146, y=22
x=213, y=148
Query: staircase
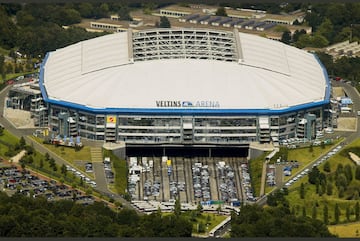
x=96, y=154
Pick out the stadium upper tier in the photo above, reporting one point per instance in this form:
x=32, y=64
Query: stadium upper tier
x=184, y=71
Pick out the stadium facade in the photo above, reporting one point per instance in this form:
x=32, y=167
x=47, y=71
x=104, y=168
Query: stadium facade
x=184, y=87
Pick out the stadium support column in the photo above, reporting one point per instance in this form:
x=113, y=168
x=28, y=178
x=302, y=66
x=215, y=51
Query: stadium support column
x=130, y=45
x=239, y=54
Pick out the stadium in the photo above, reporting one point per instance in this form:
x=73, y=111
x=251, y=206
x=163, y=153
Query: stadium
x=184, y=88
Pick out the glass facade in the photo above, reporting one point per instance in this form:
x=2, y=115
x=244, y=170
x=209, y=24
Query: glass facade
x=161, y=129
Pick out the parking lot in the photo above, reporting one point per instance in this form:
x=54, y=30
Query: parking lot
x=13, y=180
x=191, y=180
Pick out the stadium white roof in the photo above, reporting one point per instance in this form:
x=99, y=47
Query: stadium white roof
x=101, y=73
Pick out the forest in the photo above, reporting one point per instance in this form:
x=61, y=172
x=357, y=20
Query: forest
x=22, y=216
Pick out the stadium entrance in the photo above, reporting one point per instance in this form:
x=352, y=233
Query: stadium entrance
x=191, y=151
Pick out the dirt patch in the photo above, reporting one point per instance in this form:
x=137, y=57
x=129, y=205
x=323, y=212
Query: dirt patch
x=338, y=92
x=346, y=124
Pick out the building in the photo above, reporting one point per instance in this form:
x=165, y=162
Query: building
x=184, y=87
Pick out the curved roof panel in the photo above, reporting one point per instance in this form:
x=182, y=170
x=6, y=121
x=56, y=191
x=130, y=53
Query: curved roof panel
x=269, y=75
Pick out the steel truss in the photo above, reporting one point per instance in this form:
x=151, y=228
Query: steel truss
x=184, y=44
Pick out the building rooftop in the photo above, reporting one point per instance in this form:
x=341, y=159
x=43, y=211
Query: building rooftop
x=100, y=74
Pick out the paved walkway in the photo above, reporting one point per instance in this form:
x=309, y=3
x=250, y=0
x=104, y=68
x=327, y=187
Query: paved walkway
x=17, y=158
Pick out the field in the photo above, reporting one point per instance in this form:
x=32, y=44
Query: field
x=120, y=169
x=314, y=203
x=76, y=158
x=349, y=230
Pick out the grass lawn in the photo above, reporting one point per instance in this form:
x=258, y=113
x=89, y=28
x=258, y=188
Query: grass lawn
x=211, y=219
x=120, y=170
x=311, y=198
x=255, y=169
x=68, y=153
x=349, y=230
x=6, y=140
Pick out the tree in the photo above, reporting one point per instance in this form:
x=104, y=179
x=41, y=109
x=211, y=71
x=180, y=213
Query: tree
x=22, y=142
x=348, y=173
x=2, y=67
x=357, y=173
x=41, y=165
x=177, y=208
x=348, y=213
x=314, y=212
x=201, y=227
x=311, y=148
x=85, y=10
x=303, y=211
x=329, y=189
x=326, y=29
x=199, y=208
x=302, y=191
x=357, y=211
x=63, y=169
x=221, y=11
x=326, y=214
x=356, y=195
x=297, y=34
x=337, y=213
x=164, y=22
x=341, y=192
x=124, y=13
x=327, y=167
x=286, y=38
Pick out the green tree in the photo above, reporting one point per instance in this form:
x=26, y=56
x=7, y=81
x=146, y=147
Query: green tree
x=357, y=173
x=302, y=191
x=164, y=22
x=348, y=173
x=177, y=208
x=22, y=142
x=326, y=214
x=41, y=164
x=327, y=167
x=348, y=213
x=319, y=41
x=2, y=67
x=357, y=211
x=314, y=212
x=47, y=156
x=63, y=169
x=199, y=208
x=297, y=34
x=326, y=29
x=286, y=37
x=329, y=189
x=356, y=195
x=303, y=211
x=341, y=192
x=221, y=11
x=337, y=213
x=201, y=227
x=124, y=13
x=85, y=9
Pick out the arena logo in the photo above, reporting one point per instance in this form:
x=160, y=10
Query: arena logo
x=190, y=104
